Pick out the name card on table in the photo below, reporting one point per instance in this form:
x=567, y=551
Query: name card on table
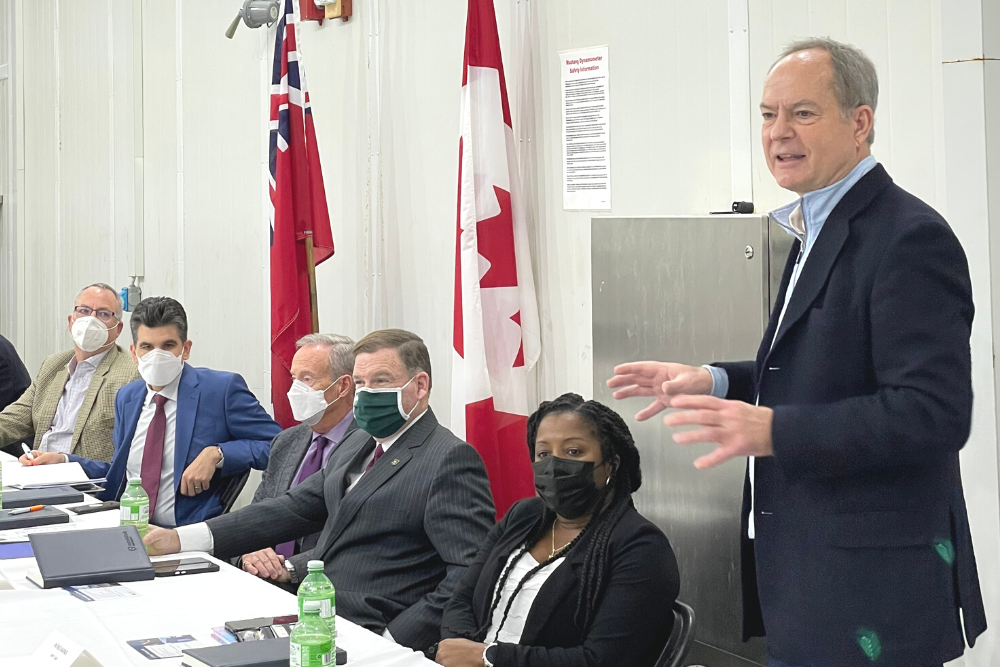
x=58, y=650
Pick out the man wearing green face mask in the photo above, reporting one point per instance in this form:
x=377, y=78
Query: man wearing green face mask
x=403, y=505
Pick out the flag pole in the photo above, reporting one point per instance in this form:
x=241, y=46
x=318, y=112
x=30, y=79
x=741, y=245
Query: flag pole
x=311, y=268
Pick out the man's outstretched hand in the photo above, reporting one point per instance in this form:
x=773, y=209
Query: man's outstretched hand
x=662, y=380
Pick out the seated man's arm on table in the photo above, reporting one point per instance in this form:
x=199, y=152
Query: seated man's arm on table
x=458, y=518
x=251, y=427
x=300, y=512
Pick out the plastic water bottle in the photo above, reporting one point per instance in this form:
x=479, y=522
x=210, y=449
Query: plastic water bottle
x=311, y=642
x=318, y=587
x=135, y=507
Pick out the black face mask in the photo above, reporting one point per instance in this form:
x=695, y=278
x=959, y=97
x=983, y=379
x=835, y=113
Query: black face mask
x=567, y=487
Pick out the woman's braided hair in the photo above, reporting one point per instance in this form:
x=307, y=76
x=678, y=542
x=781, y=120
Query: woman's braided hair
x=616, y=441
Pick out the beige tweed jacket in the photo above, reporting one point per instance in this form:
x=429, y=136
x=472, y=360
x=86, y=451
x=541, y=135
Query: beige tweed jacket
x=32, y=414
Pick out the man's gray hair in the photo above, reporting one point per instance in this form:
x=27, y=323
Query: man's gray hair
x=118, y=297
x=341, y=350
x=855, y=82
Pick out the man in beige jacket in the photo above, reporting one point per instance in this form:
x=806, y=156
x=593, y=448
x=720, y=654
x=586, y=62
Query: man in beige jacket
x=70, y=405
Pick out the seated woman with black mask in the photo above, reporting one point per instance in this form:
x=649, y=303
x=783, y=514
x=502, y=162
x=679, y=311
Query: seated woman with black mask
x=575, y=576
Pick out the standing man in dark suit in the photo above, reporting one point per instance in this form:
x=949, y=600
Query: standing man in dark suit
x=322, y=399
x=403, y=505
x=856, y=542
x=14, y=377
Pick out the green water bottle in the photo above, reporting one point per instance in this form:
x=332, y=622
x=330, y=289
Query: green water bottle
x=316, y=586
x=311, y=642
x=135, y=507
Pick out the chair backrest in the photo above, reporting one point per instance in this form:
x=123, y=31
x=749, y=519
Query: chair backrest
x=231, y=490
x=677, y=646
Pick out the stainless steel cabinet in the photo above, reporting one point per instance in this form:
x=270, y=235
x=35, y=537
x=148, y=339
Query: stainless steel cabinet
x=691, y=290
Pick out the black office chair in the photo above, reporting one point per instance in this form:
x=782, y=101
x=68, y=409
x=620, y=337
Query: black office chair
x=677, y=646
x=231, y=490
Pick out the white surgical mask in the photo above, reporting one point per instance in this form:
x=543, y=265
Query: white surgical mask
x=89, y=334
x=308, y=404
x=159, y=367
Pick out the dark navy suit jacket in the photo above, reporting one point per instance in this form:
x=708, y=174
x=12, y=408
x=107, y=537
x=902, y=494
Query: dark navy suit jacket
x=213, y=408
x=863, y=553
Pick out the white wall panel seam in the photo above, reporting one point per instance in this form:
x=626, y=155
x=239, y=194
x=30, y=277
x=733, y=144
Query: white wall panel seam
x=179, y=79
x=740, y=106
x=58, y=162
x=113, y=274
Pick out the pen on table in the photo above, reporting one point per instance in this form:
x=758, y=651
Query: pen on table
x=27, y=452
x=25, y=510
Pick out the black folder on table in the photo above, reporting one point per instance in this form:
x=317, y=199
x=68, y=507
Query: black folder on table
x=96, y=556
x=42, y=517
x=263, y=653
x=56, y=495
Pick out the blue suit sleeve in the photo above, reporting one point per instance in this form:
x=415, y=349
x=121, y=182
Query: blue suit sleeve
x=250, y=428
x=94, y=469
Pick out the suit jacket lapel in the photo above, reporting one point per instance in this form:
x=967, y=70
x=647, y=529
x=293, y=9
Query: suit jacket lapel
x=96, y=382
x=391, y=463
x=188, y=394
x=131, y=410
x=291, y=466
x=824, y=253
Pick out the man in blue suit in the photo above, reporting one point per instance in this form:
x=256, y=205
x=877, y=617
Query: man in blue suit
x=185, y=431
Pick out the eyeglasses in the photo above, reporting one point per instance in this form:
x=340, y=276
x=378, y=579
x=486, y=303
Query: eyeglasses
x=102, y=314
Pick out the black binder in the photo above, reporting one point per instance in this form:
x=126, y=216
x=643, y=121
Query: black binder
x=42, y=517
x=263, y=653
x=96, y=556
x=56, y=495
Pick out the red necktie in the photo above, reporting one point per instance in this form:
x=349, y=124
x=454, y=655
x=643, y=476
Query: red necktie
x=378, y=454
x=152, y=453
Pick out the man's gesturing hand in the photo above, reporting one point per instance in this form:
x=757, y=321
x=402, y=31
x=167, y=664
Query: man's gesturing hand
x=662, y=380
x=738, y=428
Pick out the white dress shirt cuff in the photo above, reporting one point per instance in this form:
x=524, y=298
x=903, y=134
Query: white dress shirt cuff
x=196, y=537
x=387, y=635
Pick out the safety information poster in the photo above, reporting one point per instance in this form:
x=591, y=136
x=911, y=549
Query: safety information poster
x=586, y=123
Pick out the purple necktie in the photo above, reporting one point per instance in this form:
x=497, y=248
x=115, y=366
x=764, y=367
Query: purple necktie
x=310, y=466
x=152, y=452
x=378, y=454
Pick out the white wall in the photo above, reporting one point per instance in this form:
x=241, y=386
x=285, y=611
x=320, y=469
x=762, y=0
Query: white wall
x=385, y=94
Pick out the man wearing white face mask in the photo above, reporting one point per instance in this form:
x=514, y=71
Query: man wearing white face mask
x=322, y=399
x=69, y=407
x=403, y=504
x=184, y=431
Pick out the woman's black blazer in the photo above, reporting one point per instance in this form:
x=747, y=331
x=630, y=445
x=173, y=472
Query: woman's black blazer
x=633, y=617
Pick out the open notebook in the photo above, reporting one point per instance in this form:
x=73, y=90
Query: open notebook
x=36, y=477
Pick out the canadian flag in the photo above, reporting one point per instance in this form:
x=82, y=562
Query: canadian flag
x=496, y=318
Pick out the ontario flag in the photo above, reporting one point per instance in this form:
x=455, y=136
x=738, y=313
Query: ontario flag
x=298, y=207
x=496, y=336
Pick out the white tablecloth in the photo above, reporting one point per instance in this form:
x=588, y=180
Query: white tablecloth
x=186, y=605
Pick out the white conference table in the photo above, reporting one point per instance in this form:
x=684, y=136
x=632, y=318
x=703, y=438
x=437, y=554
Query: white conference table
x=169, y=607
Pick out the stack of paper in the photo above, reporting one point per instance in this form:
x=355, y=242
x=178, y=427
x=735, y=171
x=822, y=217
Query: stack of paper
x=39, y=477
